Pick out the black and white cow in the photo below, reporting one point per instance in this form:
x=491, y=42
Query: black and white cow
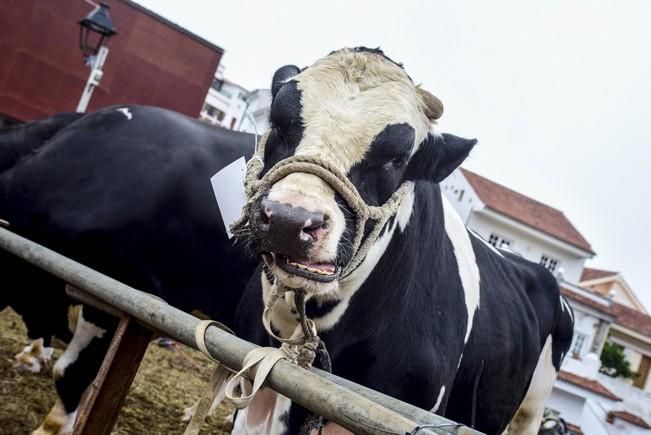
x=433, y=315
x=126, y=191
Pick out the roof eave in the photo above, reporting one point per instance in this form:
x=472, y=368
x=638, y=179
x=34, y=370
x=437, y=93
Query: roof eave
x=175, y=26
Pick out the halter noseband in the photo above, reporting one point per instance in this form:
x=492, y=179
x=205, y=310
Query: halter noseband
x=255, y=186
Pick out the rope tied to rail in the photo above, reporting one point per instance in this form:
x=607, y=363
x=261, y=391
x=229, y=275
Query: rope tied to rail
x=256, y=186
x=300, y=348
x=240, y=388
x=215, y=389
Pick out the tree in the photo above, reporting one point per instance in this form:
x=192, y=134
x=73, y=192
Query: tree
x=614, y=362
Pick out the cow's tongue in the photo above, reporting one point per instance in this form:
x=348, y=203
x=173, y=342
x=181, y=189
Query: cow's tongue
x=323, y=267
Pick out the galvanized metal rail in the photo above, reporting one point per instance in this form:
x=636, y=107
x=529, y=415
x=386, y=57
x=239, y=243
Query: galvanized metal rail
x=353, y=406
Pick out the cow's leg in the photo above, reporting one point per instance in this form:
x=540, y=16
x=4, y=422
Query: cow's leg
x=527, y=419
x=37, y=355
x=54, y=421
x=266, y=414
x=77, y=367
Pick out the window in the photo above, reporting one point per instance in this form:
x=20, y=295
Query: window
x=499, y=241
x=493, y=239
x=213, y=112
x=461, y=192
x=549, y=262
x=577, y=345
x=217, y=84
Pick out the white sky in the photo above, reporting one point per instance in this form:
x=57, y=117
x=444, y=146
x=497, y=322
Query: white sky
x=557, y=92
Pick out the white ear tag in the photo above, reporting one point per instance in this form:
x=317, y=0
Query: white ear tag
x=228, y=185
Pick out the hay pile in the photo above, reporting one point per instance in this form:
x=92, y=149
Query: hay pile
x=167, y=382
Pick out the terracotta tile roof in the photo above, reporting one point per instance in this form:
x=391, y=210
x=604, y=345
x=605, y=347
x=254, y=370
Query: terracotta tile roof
x=574, y=429
x=624, y=316
x=631, y=318
x=526, y=210
x=628, y=417
x=586, y=301
x=588, y=384
x=589, y=274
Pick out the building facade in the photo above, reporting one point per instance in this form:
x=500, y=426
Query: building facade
x=508, y=219
x=229, y=105
x=151, y=61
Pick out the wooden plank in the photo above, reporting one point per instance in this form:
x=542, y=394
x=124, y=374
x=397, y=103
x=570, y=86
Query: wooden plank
x=105, y=396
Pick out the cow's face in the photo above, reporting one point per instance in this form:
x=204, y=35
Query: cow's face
x=359, y=111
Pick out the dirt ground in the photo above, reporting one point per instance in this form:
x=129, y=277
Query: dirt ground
x=168, y=381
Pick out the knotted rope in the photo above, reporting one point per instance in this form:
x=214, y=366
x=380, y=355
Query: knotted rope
x=237, y=388
x=214, y=392
x=328, y=171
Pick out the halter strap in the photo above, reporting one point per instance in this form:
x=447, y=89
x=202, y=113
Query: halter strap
x=256, y=186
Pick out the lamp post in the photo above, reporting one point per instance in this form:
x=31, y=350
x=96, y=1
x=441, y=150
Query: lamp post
x=94, y=30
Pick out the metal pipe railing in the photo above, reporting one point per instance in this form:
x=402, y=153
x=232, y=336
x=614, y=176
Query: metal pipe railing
x=353, y=406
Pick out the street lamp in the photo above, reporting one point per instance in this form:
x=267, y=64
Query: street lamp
x=94, y=30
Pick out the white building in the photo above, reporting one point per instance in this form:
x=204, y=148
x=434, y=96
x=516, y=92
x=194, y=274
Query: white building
x=231, y=106
x=506, y=218
x=225, y=102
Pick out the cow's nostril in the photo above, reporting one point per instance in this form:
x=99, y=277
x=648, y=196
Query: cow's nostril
x=313, y=225
x=263, y=220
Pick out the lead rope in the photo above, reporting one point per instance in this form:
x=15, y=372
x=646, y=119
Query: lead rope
x=214, y=391
x=300, y=348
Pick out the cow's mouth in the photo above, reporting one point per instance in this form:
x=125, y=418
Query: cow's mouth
x=312, y=270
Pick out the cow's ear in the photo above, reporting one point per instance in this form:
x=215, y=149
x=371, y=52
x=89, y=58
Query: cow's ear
x=281, y=76
x=438, y=156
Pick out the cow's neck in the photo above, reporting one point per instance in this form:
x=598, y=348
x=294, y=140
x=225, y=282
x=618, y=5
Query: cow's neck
x=414, y=258
x=424, y=257
x=408, y=246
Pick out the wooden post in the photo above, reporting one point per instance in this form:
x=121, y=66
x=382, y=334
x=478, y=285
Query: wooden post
x=105, y=396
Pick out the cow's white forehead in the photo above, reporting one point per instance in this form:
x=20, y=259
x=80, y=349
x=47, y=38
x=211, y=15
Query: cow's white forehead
x=348, y=98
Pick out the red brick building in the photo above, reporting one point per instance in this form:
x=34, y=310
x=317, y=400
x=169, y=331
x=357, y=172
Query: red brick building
x=151, y=61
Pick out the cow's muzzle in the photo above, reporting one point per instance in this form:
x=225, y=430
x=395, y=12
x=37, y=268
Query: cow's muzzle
x=288, y=233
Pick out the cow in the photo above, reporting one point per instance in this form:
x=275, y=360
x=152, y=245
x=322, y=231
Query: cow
x=126, y=191
x=413, y=304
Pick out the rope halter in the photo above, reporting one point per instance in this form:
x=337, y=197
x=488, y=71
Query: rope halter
x=256, y=186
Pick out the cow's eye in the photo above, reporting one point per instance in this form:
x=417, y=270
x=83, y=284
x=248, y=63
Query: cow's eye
x=399, y=162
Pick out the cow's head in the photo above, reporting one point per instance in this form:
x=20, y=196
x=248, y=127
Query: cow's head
x=362, y=114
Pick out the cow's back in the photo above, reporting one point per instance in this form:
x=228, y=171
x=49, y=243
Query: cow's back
x=19, y=141
x=127, y=190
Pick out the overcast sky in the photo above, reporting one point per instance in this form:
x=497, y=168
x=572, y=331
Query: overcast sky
x=557, y=92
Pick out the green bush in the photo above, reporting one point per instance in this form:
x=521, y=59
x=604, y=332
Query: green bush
x=614, y=362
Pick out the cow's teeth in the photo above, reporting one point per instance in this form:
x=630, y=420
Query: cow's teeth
x=309, y=269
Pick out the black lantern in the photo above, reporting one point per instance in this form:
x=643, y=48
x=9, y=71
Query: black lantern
x=95, y=29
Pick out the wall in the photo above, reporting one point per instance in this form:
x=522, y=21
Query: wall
x=461, y=195
x=527, y=245
x=150, y=62
x=569, y=405
x=620, y=293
